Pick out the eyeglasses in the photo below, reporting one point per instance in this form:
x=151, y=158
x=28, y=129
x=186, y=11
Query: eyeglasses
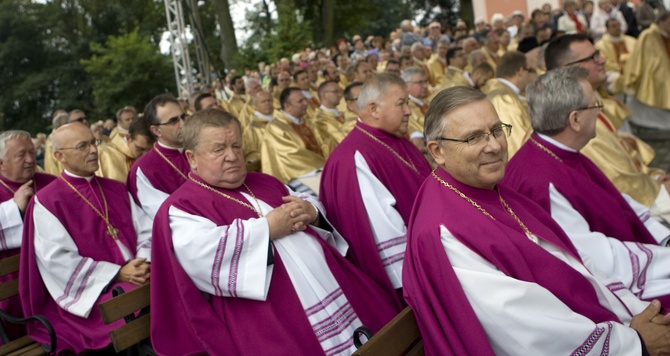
x=173, y=120
x=594, y=57
x=334, y=91
x=500, y=132
x=352, y=99
x=598, y=105
x=83, y=146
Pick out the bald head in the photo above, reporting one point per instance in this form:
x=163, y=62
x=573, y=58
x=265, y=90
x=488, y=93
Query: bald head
x=75, y=146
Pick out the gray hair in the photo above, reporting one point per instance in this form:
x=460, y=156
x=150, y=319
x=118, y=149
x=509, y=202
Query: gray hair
x=553, y=96
x=408, y=73
x=59, y=120
x=201, y=120
x=415, y=46
x=10, y=135
x=376, y=87
x=444, y=103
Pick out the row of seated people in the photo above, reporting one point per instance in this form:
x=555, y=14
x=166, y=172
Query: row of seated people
x=83, y=233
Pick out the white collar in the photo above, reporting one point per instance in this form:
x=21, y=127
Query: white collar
x=292, y=118
x=556, y=143
x=510, y=85
x=467, y=77
x=417, y=101
x=88, y=179
x=333, y=110
x=180, y=149
x=307, y=94
x=263, y=116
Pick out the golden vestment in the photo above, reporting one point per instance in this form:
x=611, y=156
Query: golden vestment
x=344, y=81
x=418, y=116
x=236, y=104
x=436, y=69
x=454, y=77
x=616, y=54
x=329, y=125
x=51, y=165
x=252, y=138
x=511, y=110
x=350, y=120
x=629, y=174
x=616, y=112
x=247, y=113
x=285, y=153
x=115, y=159
x=648, y=69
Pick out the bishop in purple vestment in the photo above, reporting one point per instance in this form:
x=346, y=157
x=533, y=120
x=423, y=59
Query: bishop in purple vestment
x=241, y=266
x=616, y=237
x=160, y=171
x=19, y=182
x=489, y=272
x=370, y=181
x=79, y=242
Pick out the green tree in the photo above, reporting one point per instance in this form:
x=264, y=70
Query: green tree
x=127, y=70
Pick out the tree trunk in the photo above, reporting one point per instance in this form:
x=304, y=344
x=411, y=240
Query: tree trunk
x=228, y=40
x=328, y=16
x=468, y=13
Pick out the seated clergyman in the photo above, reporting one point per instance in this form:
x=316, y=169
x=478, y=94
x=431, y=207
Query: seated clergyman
x=244, y=266
x=523, y=287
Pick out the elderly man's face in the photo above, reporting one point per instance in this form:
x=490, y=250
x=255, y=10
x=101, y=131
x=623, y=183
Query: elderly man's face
x=254, y=88
x=19, y=162
x=392, y=111
x=418, y=86
x=218, y=159
x=364, y=72
x=77, y=149
x=264, y=103
x=480, y=165
x=283, y=80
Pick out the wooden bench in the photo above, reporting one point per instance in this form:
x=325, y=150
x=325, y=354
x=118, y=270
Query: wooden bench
x=135, y=332
x=399, y=337
x=24, y=345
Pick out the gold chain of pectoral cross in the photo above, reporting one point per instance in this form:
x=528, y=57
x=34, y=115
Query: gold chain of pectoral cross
x=170, y=163
x=111, y=231
x=258, y=212
x=14, y=191
x=483, y=211
x=546, y=150
x=408, y=164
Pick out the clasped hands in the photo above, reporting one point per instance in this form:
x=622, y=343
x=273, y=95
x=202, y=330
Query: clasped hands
x=654, y=328
x=294, y=215
x=136, y=271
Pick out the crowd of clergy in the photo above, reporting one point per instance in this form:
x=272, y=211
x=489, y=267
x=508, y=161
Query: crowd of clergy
x=488, y=179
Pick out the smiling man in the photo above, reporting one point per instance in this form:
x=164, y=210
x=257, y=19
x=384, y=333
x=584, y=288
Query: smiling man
x=80, y=240
x=488, y=272
x=245, y=266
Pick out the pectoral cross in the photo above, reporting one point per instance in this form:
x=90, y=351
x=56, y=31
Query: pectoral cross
x=111, y=231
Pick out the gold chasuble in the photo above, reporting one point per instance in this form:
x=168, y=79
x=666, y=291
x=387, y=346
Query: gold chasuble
x=492, y=58
x=436, y=69
x=247, y=113
x=252, y=137
x=648, y=69
x=454, y=77
x=236, y=104
x=289, y=151
x=115, y=159
x=418, y=116
x=51, y=165
x=424, y=65
x=616, y=52
x=511, y=110
x=329, y=125
x=350, y=120
x=629, y=174
x=616, y=112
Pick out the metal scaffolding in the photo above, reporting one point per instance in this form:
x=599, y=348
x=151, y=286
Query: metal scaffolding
x=183, y=71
